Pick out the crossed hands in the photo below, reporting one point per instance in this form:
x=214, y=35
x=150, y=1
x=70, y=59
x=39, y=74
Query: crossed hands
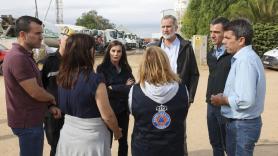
x=130, y=81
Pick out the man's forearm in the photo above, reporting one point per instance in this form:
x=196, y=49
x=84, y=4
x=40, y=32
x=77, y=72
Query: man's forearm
x=37, y=92
x=43, y=96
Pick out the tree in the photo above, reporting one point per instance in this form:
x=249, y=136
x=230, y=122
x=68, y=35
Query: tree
x=262, y=13
x=257, y=11
x=199, y=14
x=92, y=20
x=265, y=37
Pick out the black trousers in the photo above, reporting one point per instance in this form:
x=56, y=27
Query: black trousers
x=123, y=120
x=52, y=129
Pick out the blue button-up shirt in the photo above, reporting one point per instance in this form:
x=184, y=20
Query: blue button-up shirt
x=219, y=51
x=172, y=52
x=245, y=86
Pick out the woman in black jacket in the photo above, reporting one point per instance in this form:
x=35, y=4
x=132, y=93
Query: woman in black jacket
x=119, y=79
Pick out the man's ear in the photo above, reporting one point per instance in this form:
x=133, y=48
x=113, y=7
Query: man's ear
x=241, y=41
x=22, y=35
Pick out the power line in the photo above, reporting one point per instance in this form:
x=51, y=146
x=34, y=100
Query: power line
x=47, y=10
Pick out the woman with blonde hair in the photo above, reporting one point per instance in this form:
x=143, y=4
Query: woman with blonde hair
x=159, y=104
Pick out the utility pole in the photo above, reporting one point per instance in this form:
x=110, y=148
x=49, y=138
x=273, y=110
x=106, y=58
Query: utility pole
x=36, y=13
x=59, y=12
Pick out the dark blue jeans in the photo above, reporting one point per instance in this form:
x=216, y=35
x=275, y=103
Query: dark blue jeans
x=216, y=129
x=30, y=140
x=242, y=136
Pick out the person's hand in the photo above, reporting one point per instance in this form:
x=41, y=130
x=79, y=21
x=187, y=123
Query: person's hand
x=218, y=99
x=55, y=111
x=118, y=134
x=130, y=81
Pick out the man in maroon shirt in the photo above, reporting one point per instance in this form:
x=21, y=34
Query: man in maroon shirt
x=26, y=99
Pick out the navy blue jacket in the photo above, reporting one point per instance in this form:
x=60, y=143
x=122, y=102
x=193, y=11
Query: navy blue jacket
x=147, y=139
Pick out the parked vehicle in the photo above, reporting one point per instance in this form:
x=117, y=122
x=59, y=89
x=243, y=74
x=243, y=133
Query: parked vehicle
x=130, y=42
x=51, y=34
x=3, y=52
x=100, y=44
x=120, y=37
x=270, y=59
x=111, y=35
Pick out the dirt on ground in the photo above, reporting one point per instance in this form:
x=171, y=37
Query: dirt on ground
x=197, y=135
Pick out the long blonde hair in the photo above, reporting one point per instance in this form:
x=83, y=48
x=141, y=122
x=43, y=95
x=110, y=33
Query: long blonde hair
x=155, y=68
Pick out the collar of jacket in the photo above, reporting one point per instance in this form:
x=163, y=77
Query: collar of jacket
x=183, y=42
x=225, y=52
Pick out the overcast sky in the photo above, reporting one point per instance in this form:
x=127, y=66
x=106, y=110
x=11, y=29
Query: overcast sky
x=139, y=16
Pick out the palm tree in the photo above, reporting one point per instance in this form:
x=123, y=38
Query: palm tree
x=265, y=11
x=257, y=11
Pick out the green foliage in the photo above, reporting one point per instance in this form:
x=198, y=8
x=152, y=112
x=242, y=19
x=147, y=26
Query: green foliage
x=262, y=13
x=257, y=11
x=92, y=20
x=190, y=19
x=238, y=10
x=265, y=37
x=200, y=13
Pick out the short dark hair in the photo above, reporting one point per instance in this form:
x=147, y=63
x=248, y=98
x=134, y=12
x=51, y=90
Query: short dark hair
x=241, y=28
x=23, y=24
x=220, y=20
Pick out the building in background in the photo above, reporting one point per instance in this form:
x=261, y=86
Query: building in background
x=178, y=12
x=180, y=8
x=168, y=12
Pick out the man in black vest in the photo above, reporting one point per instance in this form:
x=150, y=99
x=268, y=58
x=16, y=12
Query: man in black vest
x=219, y=63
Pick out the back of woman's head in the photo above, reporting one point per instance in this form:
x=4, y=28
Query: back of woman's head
x=155, y=68
x=78, y=55
x=123, y=61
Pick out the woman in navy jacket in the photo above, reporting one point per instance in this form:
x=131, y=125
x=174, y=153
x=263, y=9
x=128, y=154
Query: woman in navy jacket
x=159, y=104
x=118, y=78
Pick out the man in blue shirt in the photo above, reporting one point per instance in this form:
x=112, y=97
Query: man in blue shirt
x=243, y=99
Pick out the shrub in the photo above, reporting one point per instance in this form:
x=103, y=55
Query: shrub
x=265, y=37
